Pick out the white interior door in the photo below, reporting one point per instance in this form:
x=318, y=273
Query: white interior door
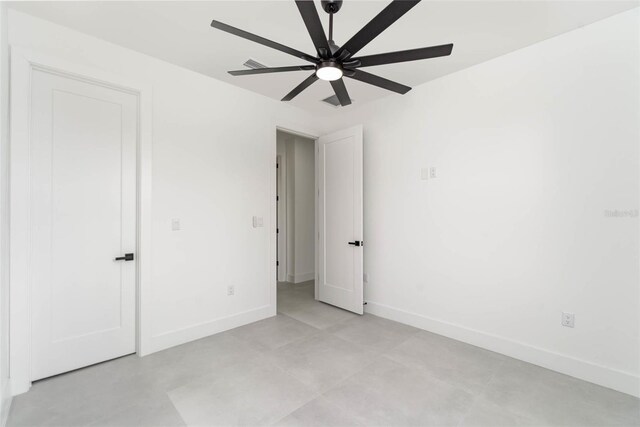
x=83, y=216
x=340, y=256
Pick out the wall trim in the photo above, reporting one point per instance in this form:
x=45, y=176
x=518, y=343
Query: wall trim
x=281, y=215
x=305, y=277
x=197, y=331
x=5, y=405
x=615, y=379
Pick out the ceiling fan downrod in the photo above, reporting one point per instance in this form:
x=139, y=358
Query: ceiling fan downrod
x=330, y=28
x=331, y=7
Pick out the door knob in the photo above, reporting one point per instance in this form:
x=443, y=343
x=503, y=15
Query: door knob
x=126, y=257
x=356, y=243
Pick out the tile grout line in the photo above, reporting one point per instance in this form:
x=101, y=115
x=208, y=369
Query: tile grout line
x=480, y=394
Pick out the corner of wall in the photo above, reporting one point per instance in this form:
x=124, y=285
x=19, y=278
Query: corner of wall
x=5, y=385
x=5, y=404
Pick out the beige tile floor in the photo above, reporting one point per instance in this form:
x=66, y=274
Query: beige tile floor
x=314, y=365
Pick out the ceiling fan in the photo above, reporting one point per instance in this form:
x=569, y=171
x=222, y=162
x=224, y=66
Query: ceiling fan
x=332, y=61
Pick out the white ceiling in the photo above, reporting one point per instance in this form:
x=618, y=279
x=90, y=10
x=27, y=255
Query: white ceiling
x=179, y=32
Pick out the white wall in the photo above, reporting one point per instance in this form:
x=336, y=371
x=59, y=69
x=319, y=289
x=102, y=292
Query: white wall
x=299, y=205
x=531, y=149
x=5, y=392
x=213, y=153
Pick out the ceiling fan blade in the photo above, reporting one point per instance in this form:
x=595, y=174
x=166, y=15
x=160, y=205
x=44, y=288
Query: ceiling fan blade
x=271, y=70
x=372, y=79
x=341, y=92
x=404, y=55
x=311, y=20
x=266, y=42
x=302, y=86
x=377, y=25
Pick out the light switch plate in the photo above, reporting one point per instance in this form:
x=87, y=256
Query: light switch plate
x=175, y=224
x=424, y=174
x=258, y=221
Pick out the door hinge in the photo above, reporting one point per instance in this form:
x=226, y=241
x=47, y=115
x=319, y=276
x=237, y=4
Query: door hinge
x=277, y=230
x=277, y=198
x=277, y=263
x=277, y=165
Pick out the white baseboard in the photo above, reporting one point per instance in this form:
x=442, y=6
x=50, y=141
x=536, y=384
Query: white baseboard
x=299, y=278
x=5, y=405
x=184, y=335
x=624, y=382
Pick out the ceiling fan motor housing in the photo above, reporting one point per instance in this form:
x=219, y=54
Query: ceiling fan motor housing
x=331, y=6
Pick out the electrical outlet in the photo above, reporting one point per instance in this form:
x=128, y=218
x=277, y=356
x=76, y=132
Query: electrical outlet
x=433, y=172
x=568, y=319
x=231, y=290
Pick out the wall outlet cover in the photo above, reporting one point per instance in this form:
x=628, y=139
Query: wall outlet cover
x=568, y=319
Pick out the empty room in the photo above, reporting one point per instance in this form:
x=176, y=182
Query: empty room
x=320, y=213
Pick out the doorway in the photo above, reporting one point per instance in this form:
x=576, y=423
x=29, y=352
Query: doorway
x=86, y=170
x=295, y=209
x=319, y=228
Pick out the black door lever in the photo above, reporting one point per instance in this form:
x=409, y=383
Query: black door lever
x=126, y=257
x=356, y=243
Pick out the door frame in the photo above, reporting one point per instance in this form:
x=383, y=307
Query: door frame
x=306, y=132
x=281, y=214
x=23, y=62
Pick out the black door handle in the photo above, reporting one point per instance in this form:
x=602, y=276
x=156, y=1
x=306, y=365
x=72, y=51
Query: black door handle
x=126, y=257
x=356, y=243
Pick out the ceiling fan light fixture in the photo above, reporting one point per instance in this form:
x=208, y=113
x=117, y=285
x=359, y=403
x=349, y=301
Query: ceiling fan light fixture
x=329, y=71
